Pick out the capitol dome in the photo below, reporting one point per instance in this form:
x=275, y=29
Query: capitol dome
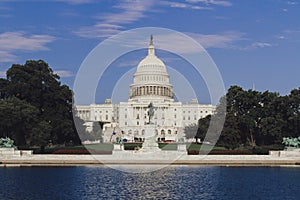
x=151, y=77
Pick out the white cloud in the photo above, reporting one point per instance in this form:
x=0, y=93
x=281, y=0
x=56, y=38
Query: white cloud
x=289, y=31
x=64, y=73
x=6, y=56
x=177, y=5
x=14, y=41
x=261, y=44
x=258, y=45
x=292, y=3
x=98, y=30
x=129, y=11
x=112, y=23
x=223, y=40
x=281, y=37
x=131, y=63
x=63, y=1
x=20, y=41
x=200, y=8
x=211, y=2
x=76, y=1
x=184, y=5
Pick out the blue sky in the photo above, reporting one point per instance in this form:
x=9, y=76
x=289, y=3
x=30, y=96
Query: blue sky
x=253, y=42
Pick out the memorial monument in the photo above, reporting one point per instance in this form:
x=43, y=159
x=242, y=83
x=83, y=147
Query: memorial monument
x=150, y=144
x=7, y=143
x=291, y=148
x=8, y=149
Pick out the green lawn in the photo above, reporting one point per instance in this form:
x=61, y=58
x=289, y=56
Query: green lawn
x=163, y=146
x=99, y=147
x=204, y=147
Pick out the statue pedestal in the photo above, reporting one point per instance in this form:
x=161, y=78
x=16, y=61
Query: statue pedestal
x=8, y=152
x=150, y=144
x=118, y=147
x=181, y=147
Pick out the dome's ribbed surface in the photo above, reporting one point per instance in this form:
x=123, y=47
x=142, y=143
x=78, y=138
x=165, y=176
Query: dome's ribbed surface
x=151, y=77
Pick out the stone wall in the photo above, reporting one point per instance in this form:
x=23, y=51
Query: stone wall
x=286, y=153
x=4, y=152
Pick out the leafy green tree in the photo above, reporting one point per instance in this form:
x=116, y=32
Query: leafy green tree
x=230, y=137
x=36, y=83
x=271, y=131
x=3, y=88
x=255, y=118
x=292, y=127
x=40, y=135
x=202, y=128
x=18, y=118
x=190, y=131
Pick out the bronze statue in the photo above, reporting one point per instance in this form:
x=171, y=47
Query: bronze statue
x=150, y=112
x=7, y=143
x=291, y=142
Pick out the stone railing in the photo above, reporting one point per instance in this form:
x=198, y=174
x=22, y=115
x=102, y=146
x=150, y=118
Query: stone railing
x=8, y=152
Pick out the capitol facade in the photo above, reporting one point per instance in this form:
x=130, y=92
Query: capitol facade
x=151, y=84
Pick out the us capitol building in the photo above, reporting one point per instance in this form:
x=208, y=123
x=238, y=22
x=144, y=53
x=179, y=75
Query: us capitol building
x=127, y=120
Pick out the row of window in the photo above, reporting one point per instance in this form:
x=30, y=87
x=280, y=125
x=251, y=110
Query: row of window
x=101, y=111
x=99, y=118
x=152, y=78
x=162, y=132
x=138, y=123
x=81, y=112
x=196, y=111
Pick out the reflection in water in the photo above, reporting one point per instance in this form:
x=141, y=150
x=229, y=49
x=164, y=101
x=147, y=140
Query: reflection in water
x=171, y=182
x=174, y=182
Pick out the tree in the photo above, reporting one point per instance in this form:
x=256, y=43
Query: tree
x=292, y=128
x=202, y=128
x=3, y=88
x=271, y=131
x=17, y=119
x=37, y=84
x=230, y=136
x=190, y=131
x=40, y=135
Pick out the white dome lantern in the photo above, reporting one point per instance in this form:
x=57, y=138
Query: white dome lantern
x=151, y=78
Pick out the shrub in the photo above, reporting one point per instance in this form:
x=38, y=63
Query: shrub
x=81, y=152
x=220, y=152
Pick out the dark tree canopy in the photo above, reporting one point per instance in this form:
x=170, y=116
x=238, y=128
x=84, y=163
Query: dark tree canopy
x=258, y=118
x=42, y=105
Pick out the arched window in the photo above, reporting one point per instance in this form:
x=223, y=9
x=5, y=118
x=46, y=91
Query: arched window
x=136, y=132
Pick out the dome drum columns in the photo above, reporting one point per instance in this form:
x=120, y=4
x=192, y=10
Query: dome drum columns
x=151, y=90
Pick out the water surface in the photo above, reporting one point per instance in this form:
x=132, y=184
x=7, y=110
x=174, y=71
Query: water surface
x=174, y=182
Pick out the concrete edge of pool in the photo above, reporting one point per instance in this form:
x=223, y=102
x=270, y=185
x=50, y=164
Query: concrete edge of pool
x=94, y=160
